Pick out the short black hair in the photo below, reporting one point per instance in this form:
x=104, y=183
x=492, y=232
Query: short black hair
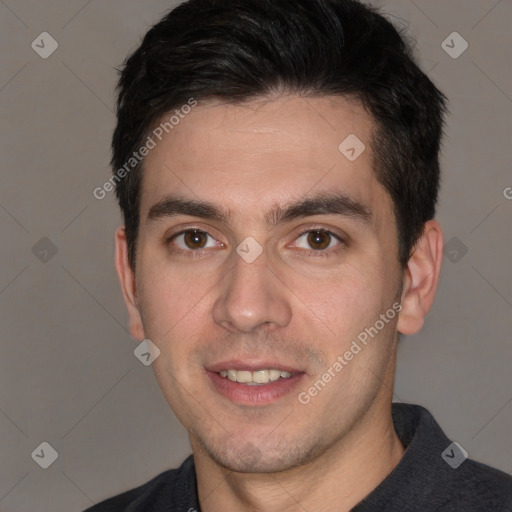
x=239, y=50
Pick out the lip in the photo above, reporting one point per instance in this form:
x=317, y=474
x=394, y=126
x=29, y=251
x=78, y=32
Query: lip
x=262, y=394
x=251, y=366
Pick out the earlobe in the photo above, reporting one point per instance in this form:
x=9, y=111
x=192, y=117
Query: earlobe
x=126, y=277
x=421, y=279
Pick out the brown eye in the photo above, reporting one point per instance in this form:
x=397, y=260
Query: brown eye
x=322, y=241
x=319, y=240
x=195, y=239
x=193, y=242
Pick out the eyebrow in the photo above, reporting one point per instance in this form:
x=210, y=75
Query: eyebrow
x=320, y=204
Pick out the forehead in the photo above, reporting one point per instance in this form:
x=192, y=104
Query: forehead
x=248, y=157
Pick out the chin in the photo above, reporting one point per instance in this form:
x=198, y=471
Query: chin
x=253, y=458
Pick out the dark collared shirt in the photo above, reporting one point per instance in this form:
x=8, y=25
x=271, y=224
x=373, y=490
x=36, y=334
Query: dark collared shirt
x=432, y=476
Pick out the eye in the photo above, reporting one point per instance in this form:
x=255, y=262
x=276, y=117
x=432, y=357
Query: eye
x=193, y=240
x=318, y=240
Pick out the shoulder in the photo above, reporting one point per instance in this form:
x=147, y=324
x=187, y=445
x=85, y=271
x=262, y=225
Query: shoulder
x=435, y=473
x=121, y=501
x=477, y=487
x=170, y=488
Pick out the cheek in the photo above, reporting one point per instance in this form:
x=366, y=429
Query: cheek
x=171, y=290
x=348, y=300
x=168, y=298
x=173, y=313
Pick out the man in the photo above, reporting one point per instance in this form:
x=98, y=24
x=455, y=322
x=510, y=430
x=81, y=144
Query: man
x=276, y=163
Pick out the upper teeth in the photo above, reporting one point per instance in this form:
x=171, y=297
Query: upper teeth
x=257, y=377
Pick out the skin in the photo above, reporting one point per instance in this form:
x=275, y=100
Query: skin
x=290, y=305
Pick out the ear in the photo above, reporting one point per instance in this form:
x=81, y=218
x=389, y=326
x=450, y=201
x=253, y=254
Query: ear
x=421, y=278
x=127, y=279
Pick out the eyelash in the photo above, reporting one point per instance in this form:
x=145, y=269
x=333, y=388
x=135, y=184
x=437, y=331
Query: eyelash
x=325, y=253
x=191, y=253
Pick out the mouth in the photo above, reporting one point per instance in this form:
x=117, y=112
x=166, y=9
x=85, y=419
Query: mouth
x=253, y=384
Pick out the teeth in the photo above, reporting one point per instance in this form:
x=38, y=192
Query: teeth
x=274, y=374
x=244, y=377
x=254, y=378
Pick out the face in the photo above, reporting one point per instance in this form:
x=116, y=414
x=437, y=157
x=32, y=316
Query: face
x=263, y=247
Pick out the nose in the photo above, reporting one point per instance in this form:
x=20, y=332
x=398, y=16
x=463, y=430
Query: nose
x=250, y=297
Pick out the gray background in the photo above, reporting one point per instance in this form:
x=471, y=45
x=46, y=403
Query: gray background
x=68, y=375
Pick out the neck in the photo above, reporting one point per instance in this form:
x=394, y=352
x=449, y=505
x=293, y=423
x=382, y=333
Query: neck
x=336, y=481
